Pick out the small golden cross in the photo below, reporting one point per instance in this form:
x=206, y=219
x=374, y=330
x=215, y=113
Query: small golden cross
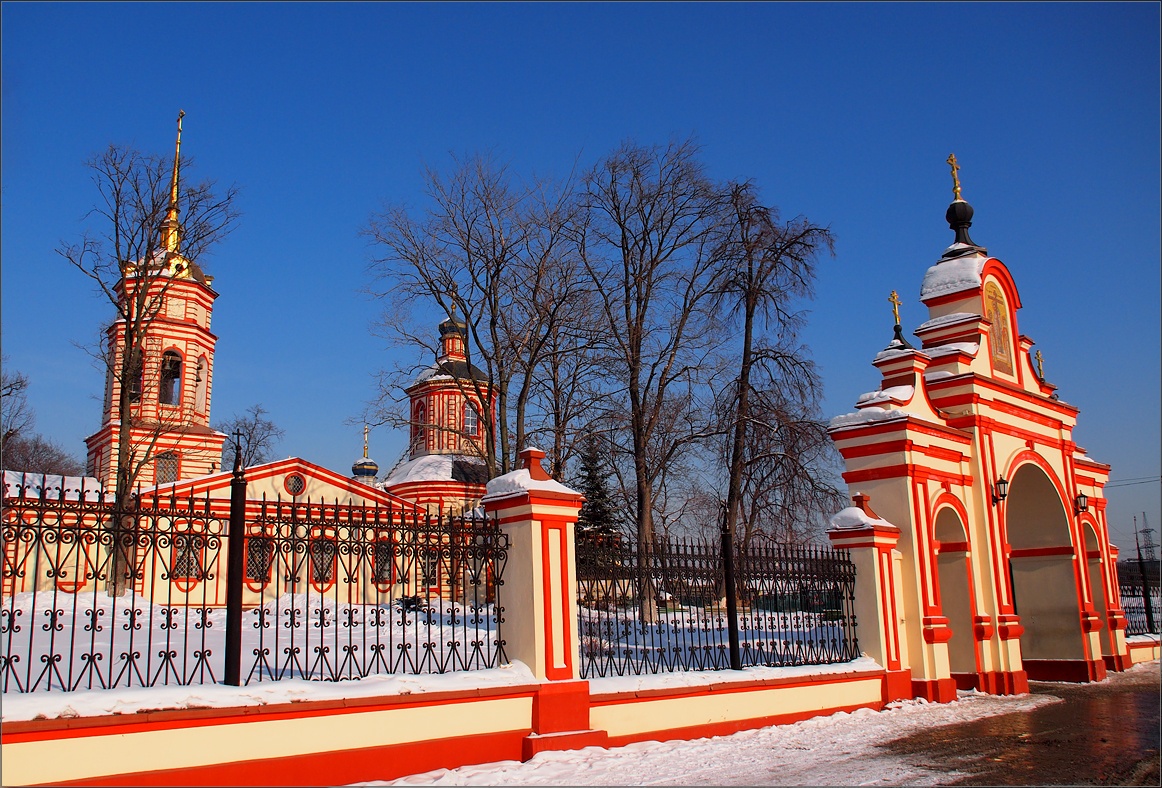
x=951, y=161
x=895, y=301
x=1040, y=365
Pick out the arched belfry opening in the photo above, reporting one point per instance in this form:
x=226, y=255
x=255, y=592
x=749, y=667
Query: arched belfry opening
x=1043, y=573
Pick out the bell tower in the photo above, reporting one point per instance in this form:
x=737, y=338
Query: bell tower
x=170, y=302
x=448, y=400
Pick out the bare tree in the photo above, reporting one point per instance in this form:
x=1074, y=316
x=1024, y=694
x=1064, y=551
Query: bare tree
x=140, y=249
x=256, y=435
x=768, y=267
x=648, y=249
x=493, y=254
x=37, y=454
x=16, y=417
x=789, y=469
x=19, y=449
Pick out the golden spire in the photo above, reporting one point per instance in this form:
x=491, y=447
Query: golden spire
x=951, y=162
x=895, y=301
x=1040, y=364
x=171, y=230
x=366, y=430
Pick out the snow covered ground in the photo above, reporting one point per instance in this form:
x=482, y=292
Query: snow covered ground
x=842, y=749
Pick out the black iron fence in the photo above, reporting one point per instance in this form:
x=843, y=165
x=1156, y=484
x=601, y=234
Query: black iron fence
x=354, y=592
x=97, y=594
x=664, y=609
x=1141, y=591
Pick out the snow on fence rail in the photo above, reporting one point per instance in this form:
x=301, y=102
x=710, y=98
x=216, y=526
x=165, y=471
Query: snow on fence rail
x=663, y=609
x=97, y=595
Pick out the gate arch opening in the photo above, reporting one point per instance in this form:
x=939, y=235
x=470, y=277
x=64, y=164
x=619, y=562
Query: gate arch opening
x=1097, y=584
x=1043, y=574
x=954, y=580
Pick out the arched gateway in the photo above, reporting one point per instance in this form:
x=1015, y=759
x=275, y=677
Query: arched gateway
x=1003, y=565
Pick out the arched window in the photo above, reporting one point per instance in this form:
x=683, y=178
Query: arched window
x=136, y=375
x=187, y=556
x=259, y=550
x=323, y=553
x=201, y=384
x=165, y=468
x=170, y=390
x=471, y=419
x=421, y=418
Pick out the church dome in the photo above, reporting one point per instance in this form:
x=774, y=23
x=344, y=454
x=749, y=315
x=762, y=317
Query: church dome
x=365, y=470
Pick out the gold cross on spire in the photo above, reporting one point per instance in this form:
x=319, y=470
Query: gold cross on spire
x=366, y=430
x=1040, y=365
x=895, y=301
x=171, y=232
x=951, y=162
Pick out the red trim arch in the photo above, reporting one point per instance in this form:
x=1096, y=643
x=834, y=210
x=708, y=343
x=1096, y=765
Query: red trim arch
x=179, y=382
x=994, y=267
x=947, y=500
x=1026, y=457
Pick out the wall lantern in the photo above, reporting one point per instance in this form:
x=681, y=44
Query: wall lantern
x=1000, y=490
x=1082, y=503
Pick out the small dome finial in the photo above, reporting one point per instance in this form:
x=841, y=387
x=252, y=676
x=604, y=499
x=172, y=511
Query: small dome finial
x=951, y=162
x=898, y=342
x=959, y=218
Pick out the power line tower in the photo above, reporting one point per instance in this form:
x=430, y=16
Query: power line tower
x=1147, y=540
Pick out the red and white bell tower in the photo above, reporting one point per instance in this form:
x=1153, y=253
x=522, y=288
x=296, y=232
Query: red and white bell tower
x=169, y=301
x=445, y=469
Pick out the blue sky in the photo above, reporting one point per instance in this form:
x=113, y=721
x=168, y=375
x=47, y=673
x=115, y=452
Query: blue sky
x=842, y=112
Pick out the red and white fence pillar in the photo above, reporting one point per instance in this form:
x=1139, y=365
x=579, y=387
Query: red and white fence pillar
x=539, y=627
x=871, y=541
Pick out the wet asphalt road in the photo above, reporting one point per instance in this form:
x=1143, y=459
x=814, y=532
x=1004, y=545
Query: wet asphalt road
x=1100, y=734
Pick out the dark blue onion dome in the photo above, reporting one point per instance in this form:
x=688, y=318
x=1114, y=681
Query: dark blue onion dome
x=365, y=470
x=454, y=326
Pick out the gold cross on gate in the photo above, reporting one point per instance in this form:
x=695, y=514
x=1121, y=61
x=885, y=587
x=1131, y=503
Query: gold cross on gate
x=951, y=161
x=1040, y=365
x=895, y=301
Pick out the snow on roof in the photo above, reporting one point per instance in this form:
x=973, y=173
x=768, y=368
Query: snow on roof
x=952, y=276
x=18, y=484
x=521, y=480
x=938, y=375
x=954, y=347
x=945, y=320
x=854, y=517
x=429, y=468
x=894, y=352
x=892, y=393
x=866, y=416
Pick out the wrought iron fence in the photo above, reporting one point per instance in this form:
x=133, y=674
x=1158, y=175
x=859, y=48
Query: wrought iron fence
x=664, y=609
x=354, y=591
x=100, y=595
x=1141, y=596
